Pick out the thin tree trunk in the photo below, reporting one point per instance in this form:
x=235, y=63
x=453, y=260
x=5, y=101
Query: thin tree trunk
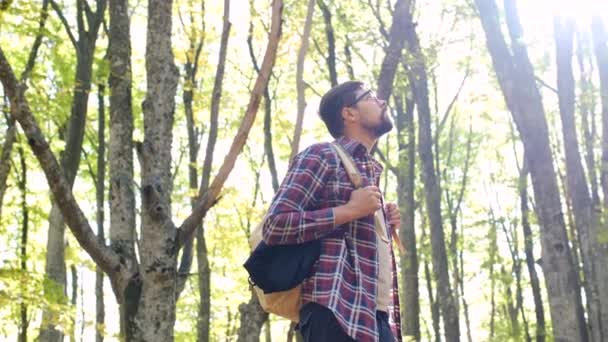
x=267, y=116
x=349, y=58
x=55, y=258
x=409, y=260
x=433, y=304
x=331, y=43
x=517, y=81
x=300, y=85
x=5, y=156
x=197, y=40
x=492, y=251
x=418, y=81
x=204, y=271
x=513, y=306
x=600, y=43
x=397, y=40
x=25, y=221
x=454, y=210
x=405, y=184
x=74, y=301
x=100, y=191
x=465, y=305
x=528, y=248
x=587, y=109
x=576, y=181
x=194, y=136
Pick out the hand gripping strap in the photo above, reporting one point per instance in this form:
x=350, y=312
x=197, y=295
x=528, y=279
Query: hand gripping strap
x=355, y=178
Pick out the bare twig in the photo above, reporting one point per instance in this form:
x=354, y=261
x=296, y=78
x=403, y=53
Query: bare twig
x=68, y=30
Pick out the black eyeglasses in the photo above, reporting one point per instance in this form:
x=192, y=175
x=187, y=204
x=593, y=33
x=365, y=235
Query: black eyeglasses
x=361, y=97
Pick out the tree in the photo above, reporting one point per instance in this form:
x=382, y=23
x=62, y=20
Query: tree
x=600, y=45
x=84, y=46
x=418, y=81
x=578, y=190
x=145, y=291
x=515, y=76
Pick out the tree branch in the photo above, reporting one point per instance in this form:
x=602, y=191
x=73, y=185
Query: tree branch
x=31, y=60
x=544, y=84
x=74, y=217
x=65, y=23
x=209, y=197
x=450, y=106
x=376, y=13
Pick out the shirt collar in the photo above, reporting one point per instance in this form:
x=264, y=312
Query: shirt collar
x=355, y=148
x=352, y=146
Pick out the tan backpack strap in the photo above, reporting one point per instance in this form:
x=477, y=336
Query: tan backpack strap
x=355, y=178
x=349, y=165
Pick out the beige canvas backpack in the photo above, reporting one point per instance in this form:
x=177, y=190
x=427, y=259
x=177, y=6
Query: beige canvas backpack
x=287, y=303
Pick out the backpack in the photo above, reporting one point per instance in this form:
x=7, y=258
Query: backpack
x=276, y=272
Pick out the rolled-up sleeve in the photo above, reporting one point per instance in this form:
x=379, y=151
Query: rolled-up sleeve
x=295, y=215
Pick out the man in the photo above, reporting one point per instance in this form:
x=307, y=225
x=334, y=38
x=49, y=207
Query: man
x=353, y=288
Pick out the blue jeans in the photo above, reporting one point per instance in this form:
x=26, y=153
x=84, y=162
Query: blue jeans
x=318, y=324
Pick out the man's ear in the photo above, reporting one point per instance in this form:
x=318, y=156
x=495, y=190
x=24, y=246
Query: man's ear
x=349, y=114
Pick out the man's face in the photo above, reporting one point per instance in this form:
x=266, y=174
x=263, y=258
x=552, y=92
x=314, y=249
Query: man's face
x=372, y=112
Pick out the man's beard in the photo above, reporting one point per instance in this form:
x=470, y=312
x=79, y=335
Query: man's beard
x=384, y=127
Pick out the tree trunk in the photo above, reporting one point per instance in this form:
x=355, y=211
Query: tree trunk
x=120, y=155
x=405, y=196
x=418, y=81
x=147, y=297
x=250, y=328
x=493, y=249
x=397, y=38
x=5, y=157
x=100, y=191
x=349, y=58
x=197, y=40
x=194, y=136
x=576, y=181
x=528, y=247
x=454, y=203
x=204, y=272
x=25, y=221
x=587, y=108
x=74, y=301
x=331, y=43
x=517, y=81
x=154, y=318
x=55, y=258
x=300, y=85
x=434, y=305
x=600, y=43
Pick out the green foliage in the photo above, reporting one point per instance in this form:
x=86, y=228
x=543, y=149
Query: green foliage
x=453, y=45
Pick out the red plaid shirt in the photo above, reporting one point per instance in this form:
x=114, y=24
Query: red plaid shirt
x=345, y=276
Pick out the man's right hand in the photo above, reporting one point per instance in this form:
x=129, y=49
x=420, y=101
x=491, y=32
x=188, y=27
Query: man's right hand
x=363, y=202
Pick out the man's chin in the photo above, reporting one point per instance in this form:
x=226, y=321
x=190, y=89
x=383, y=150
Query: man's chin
x=384, y=128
